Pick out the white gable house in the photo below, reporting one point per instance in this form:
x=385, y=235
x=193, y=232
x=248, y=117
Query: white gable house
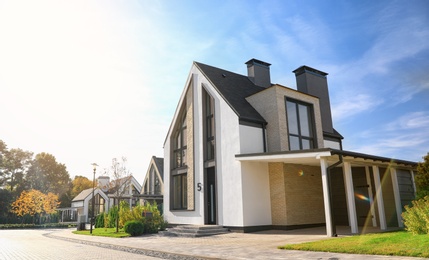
x=250, y=155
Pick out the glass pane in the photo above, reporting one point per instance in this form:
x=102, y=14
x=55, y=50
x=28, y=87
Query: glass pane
x=176, y=192
x=184, y=191
x=306, y=144
x=184, y=122
x=304, y=120
x=184, y=137
x=292, y=119
x=210, y=150
x=294, y=143
x=184, y=157
x=179, y=140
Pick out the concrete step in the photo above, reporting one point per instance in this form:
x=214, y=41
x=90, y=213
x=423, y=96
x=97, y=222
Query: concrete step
x=194, y=231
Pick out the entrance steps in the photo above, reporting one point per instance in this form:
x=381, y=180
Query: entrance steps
x=194, y=231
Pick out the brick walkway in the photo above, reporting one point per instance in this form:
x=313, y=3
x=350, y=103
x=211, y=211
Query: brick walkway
x=261, y=245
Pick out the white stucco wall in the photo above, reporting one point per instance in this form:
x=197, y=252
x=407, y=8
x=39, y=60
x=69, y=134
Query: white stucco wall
x=256, y=194
x=251, y=139
x=228, y=170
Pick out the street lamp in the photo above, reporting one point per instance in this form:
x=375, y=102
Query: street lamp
x=93, y=198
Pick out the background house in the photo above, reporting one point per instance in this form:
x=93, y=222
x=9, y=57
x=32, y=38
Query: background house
x=153, y=184
x=249, y=155
x=105, y=196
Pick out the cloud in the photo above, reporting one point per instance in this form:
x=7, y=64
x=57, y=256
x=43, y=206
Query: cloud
x=405, y=137
x=354, y=105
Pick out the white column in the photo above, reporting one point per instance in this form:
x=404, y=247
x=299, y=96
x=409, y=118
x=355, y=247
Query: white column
x=370, y=196
x=379, y=197
x=414, y=183
x=328, y=217
x=350, y=197
x=397, y=196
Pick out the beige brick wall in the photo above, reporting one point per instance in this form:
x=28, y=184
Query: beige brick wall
x=277, y=194
x=304, y=194
x=270, y=103
x=296, y=194
x=190, y=147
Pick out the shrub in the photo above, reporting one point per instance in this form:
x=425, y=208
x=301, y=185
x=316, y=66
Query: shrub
x=416, y=217
x=99, y=220
x=109, y=222
x=134, y=228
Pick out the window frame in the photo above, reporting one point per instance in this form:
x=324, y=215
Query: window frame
x=310, y=120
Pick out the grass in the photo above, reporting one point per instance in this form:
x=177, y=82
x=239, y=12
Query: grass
x=399, y=243
x=103, y=232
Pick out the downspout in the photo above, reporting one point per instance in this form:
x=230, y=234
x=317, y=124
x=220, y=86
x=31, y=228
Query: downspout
x=264, y=139
x=331, y=204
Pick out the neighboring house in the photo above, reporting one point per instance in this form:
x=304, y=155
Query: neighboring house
x=250, y=155
x=105, y=196
x=153, y=184
x=83, y=203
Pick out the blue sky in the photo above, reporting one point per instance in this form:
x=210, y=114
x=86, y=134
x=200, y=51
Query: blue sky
x=91, y=80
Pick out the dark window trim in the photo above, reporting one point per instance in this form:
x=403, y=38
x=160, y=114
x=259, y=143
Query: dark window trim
x=311, y=118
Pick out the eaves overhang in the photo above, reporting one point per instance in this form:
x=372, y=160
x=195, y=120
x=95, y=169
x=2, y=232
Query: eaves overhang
x=312, y=157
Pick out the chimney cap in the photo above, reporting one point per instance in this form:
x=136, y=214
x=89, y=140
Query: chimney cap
x=305, y=68
x=256, y=61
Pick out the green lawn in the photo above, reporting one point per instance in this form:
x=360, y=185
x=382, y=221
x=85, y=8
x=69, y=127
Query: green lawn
x=104, y=232
x=399, y=243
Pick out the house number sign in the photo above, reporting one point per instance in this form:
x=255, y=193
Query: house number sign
x=199, y=186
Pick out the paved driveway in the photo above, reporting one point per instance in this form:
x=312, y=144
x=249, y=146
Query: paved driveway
x=32, y=244
x=63, y=244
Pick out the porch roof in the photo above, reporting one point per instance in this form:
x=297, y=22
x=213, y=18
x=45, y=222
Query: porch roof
x=312, y=157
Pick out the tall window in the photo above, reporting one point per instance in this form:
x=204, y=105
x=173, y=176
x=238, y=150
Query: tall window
x=209, y=127
x=180, y=142
x=180, y=191
x=300, y=125
x=179, y=184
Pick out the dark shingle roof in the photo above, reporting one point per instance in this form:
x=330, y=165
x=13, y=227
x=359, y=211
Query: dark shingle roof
x=159, y=162
x=234, y=88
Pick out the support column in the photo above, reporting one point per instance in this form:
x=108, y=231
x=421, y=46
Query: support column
x=397, y=196
x=379, y=197
x=328, y=217
x=414, y=183
x=350, y=197
x=370, y=196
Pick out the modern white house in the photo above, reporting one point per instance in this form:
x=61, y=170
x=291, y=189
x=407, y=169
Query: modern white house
x=249, y=155
x=105, y=195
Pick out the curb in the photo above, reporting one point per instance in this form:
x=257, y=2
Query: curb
x=147, y=252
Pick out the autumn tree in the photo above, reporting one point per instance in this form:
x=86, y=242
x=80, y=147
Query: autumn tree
x=422, y=177
x=47, y=175
x=34, y=202
x=79, y=184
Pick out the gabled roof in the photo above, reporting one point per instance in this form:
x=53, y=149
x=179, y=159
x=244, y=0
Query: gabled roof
x=159, y=163
x=83, y=194
x=234, y=88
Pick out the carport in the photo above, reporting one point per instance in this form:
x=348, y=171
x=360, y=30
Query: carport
x=358, y=190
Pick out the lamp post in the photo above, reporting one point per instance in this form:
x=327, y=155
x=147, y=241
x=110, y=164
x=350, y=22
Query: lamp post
x=93, y=198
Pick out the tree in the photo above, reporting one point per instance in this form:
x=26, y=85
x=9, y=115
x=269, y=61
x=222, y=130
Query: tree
x=3, y=150
x=15, y=165
x=422, y=177
x=47, y=175
x=79, y=184
x=121, y=179
x=34, y=202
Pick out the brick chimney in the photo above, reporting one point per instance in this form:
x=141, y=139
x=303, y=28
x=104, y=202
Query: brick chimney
x=259, y=72
x=314, y=82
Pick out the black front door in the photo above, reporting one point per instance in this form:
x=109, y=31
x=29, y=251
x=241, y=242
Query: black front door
x=210, y=195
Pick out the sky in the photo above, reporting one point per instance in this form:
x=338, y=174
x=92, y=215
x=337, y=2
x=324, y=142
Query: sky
x=88, y=81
